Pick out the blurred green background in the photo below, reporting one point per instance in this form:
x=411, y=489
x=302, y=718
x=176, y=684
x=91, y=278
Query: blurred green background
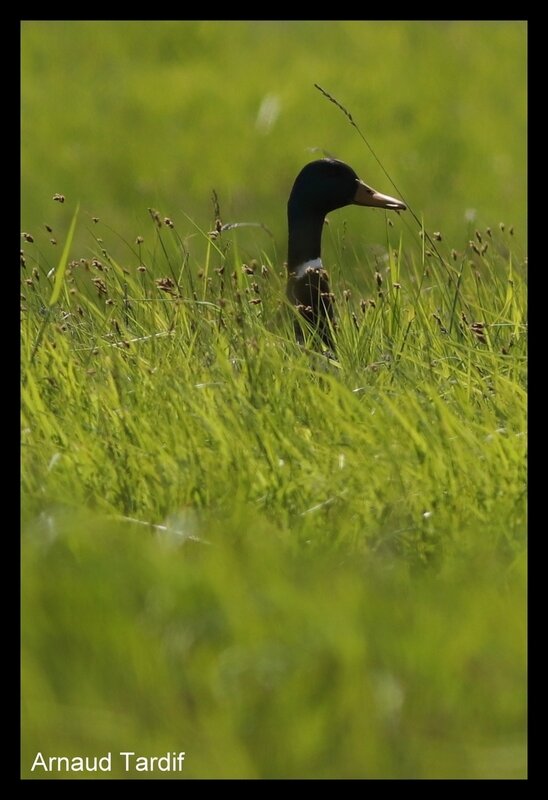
x=126, y=115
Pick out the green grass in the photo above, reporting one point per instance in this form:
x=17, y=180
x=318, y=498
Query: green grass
x=233, y=547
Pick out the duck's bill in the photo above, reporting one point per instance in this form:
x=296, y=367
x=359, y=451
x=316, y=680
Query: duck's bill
x=366, y=196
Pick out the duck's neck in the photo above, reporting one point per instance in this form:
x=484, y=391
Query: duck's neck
x=307, y=283
x=305, y=239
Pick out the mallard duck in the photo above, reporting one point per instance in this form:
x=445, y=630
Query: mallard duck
x=320, y=187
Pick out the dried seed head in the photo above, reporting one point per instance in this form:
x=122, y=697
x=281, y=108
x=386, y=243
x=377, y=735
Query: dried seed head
x=109, y=302
x=396, y=285
x=454, y=255
x=35, y=274
x=165, y=285
x=437, y=236
x=478, y=236
x=264, y=270
x=428, y=253
x=255, y=301
x=511, y=230
x=139, y=240
x=363, y=305
x=501, y=226
x=100, y=285
x=255, y=288
x=488, y=231
x=378, y=278
x=29, y=281
x=155, y=215
x=27, y=237
x=53, y=241
x=347, y=294
x=141, y=268
x=474, y=247
x=478, y=329
x=372, y=304
x=247, y=270
x=441, y=326
x=23, y=262
x=48, y=228
x=168, y=222
x=95, y=219
x=59, y=198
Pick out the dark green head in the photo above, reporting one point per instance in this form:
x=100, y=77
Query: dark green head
x=327, y=184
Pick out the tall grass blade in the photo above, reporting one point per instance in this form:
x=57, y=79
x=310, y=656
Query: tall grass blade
x=62, y=265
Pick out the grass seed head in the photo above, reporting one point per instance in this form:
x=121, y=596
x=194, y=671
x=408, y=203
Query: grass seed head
x=59, y=198
x=155, y=215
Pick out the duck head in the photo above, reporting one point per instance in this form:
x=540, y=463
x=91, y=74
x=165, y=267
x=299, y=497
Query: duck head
x=320, y=187
x=325, y=185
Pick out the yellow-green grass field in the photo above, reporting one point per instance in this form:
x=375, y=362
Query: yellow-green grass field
x=280, y=564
